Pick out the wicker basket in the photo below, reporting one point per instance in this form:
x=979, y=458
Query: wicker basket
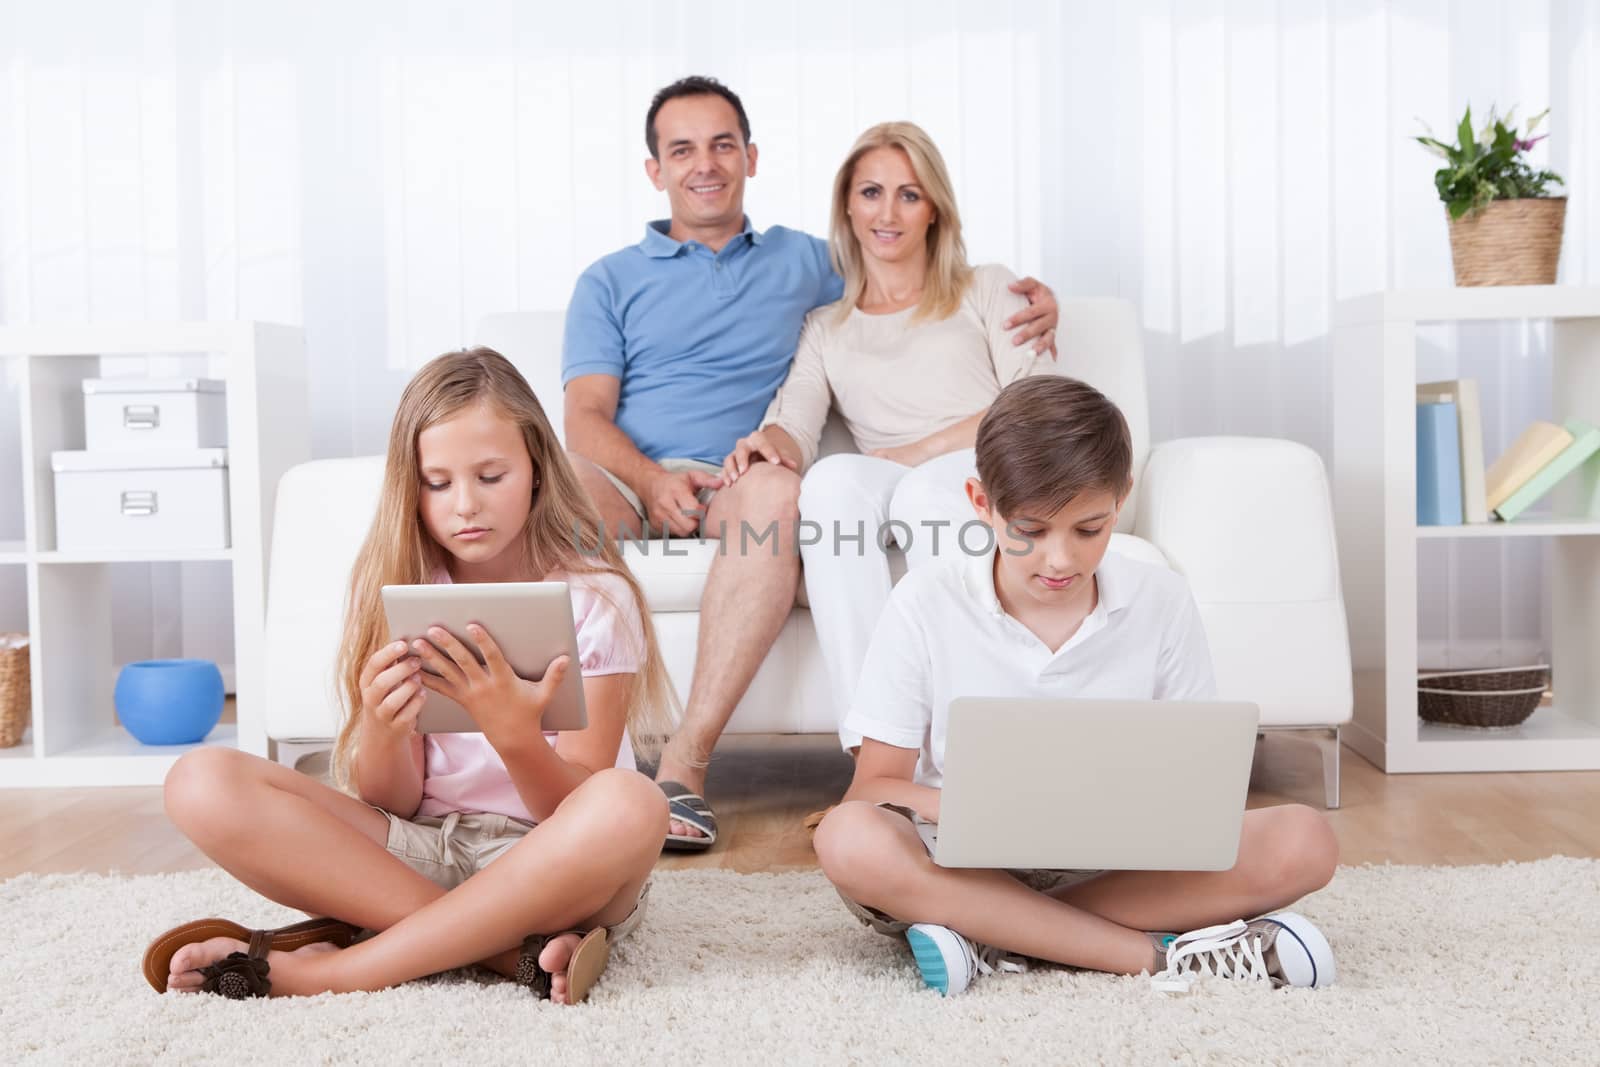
x=1487, y=699
x=16, y=694
x=1510, y=242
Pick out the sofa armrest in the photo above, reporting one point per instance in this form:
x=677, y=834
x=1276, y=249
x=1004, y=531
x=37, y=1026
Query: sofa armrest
x=1249, y=522
x=323, y=511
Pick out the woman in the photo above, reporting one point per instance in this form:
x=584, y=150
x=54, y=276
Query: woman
x=912, y=356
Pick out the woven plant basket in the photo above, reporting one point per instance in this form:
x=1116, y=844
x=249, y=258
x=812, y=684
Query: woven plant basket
x=1486, y=699
x=16, y=694
x=1510, y=242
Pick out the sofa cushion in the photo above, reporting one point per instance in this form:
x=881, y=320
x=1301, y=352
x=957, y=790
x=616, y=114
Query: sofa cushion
x=673, y=573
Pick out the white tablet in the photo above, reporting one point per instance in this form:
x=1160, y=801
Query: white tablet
x=530, y=621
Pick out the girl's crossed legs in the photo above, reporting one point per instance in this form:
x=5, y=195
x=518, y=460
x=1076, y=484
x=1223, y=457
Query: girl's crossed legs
x=310, y=847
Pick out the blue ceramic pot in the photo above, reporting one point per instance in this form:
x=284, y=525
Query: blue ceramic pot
x=169, y=701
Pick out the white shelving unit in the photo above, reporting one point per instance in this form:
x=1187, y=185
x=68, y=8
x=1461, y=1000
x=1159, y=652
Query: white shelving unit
x=74, y=738
x=1375, y=376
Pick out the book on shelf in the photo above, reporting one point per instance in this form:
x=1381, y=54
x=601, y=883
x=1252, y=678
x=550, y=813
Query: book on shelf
x=1528, y=455
x=1469, y=440
x=1438, y=465
x=1585, y=443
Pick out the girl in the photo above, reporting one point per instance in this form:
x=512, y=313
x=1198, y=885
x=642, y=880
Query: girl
x=521, y=851
x=912, y=356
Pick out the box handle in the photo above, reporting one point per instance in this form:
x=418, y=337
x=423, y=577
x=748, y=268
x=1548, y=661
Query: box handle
x=139, y=502
x=141, y=416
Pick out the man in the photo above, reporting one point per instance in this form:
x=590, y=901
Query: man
x=674, y=348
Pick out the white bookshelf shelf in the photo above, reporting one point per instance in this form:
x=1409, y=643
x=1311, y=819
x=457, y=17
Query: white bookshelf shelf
x=143, y=555
x=74, y=738
x=1541, y=526
x=1375, y=376
x=112, y=757
x=1474, y=304
x=23, y=751
x=1552, y=739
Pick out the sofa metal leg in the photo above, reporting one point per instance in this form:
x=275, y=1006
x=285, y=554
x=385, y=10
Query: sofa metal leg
x=1330, y=766
x=290, y=753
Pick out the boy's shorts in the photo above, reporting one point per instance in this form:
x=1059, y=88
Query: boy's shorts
x=449, y=849
x=1037, y=879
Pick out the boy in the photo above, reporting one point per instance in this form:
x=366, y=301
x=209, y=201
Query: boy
x=1047, y=613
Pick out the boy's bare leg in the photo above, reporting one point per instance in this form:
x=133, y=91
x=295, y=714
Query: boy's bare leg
x=1285, y=853
x=310, y=847
x=876, y=858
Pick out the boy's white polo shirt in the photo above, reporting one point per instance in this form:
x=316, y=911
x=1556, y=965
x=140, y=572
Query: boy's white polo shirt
x=944, y=635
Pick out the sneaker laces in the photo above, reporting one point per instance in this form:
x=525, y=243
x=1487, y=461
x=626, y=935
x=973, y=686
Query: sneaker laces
x=991, y=960
x=1225, y=951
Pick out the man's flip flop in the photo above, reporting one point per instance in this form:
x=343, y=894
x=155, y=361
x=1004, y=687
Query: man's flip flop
x=228, y=971
x=588, y=962
x=814, y=820
x=692, y=809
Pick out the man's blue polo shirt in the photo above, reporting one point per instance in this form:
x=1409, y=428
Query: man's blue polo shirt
x=700, y=341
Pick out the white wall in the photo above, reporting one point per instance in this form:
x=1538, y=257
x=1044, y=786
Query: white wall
x=385, y=173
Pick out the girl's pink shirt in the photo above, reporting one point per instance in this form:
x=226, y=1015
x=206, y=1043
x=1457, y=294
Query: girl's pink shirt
x=463, y=772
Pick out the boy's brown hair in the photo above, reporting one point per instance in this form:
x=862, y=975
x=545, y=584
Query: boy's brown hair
x=1047, y=438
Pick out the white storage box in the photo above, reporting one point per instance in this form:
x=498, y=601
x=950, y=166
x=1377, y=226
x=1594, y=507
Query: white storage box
x=159, y=499
x=154, y=413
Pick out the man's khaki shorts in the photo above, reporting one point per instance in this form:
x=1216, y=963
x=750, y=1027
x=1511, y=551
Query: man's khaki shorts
x=449, y=849
x=674, y=465
x=1039, y=880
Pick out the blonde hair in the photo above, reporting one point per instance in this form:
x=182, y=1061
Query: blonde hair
x=948, y=273
x=563, y=532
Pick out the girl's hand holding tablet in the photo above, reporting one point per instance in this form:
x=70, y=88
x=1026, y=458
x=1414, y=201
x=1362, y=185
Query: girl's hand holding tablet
x=391, y=695
x=500, y=702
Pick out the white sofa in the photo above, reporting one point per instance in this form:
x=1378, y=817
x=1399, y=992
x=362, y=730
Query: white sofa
x=1247, y=520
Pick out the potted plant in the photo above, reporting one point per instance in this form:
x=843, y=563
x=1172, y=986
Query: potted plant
x=1505, y=229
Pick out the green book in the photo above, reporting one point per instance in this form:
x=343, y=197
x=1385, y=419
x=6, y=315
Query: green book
x=1585, y=443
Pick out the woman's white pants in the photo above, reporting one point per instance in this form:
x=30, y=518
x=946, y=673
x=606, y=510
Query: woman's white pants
x=859, y=503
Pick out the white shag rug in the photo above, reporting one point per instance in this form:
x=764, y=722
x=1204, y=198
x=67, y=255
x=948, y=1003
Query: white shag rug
x=1464, y=964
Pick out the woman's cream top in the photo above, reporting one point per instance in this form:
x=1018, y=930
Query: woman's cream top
x=896, y=381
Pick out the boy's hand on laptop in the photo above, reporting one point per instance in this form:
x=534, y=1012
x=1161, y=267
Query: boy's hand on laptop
x=501, y=703
x=672, y=500
x=1038, y=320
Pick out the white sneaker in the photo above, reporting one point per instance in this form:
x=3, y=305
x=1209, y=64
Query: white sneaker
x=950, y=962
x=1284, y=949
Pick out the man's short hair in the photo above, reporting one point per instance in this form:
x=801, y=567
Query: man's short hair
x=694, y=85
x=1047, y=438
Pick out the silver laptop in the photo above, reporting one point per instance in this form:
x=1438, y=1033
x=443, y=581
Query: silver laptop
x=1132, y=785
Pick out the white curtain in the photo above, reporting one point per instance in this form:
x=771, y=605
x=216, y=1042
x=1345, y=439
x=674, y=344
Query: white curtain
x=385, y=173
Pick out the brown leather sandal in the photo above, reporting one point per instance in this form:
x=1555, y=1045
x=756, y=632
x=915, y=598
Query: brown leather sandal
x=588, y=962
x=239, y=974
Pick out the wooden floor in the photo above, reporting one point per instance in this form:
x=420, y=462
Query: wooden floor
x=764, y=786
